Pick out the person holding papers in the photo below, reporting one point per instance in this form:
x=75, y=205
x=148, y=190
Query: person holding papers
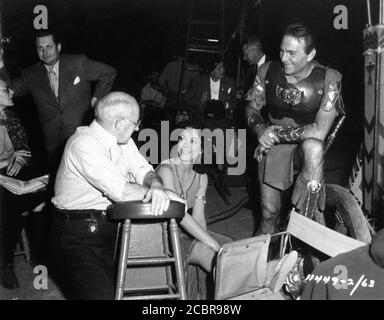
x=15, y=166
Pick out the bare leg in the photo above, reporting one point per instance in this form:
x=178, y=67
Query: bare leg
x=202, y=255
x=309, y=193
x=270, y=207
x=313, y=155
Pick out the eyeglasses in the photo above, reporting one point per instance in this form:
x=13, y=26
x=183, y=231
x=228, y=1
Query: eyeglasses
x=136, y=124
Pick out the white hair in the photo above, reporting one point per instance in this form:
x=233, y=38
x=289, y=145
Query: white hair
x=115, y=104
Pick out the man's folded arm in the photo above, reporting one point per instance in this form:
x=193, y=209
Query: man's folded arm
x=102, y=173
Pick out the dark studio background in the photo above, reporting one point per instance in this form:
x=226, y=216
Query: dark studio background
x=136, y=36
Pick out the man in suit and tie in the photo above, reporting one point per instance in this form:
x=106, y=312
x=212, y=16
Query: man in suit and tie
x=206, y=89
x=60, y=85
x=253, y=54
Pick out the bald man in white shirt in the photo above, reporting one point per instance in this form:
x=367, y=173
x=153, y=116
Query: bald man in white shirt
x=101, y=164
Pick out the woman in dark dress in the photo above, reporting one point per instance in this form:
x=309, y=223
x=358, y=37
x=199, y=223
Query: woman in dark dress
x=15, y=161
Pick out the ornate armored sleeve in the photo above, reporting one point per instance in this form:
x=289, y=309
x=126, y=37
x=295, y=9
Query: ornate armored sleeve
x=332, y=92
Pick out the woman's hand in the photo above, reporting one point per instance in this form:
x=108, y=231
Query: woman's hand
x=17, y=162
x=14, y=169
x=22, y=153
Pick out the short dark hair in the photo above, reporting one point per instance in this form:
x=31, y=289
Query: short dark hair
x=300, y=31
x=253, y=41
x=48, y=32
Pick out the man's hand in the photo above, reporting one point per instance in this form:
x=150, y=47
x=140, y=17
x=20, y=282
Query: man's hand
x=159, y=198
x=260, y=151
x=267, y=136
x=239, y=94
x=204, y=97
x=93, y=102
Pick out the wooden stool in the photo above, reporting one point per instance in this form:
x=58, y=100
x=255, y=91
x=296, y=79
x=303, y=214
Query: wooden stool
x=139, y=212
x=23, y=247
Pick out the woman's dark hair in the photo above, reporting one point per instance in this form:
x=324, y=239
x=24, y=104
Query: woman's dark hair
x=201, y=167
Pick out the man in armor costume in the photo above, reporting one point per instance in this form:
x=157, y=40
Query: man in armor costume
x=292, y=106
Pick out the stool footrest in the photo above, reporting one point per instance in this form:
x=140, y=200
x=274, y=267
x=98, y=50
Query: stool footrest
x=152, y=289
x=153, y=297
x=149, y=261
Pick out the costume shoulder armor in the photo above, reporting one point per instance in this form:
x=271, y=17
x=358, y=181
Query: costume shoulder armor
x=333, y=74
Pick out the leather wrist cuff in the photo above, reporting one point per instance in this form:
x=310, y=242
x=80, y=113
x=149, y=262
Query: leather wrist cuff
x=255, y=120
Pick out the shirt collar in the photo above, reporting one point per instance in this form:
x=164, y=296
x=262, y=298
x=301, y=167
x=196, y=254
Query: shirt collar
x=261, y=61
x=212, y=81
x=55, y=67
x=103, y=136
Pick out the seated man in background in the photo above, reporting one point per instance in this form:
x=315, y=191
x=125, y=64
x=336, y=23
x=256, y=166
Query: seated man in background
x=212, y=91
x=101, y=164
x=302, y=100
x=213, y=97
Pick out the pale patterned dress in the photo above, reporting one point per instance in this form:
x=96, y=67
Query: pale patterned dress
x=200, y=285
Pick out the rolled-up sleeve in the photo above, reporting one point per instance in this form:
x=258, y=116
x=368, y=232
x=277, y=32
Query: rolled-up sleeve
x=138, y=166
x=91, y=162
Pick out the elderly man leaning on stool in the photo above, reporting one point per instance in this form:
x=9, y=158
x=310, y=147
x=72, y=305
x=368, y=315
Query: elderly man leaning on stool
x=101, y=164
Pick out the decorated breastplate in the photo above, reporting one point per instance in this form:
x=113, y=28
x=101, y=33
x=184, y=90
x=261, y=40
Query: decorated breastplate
x=292, y=96
x=299, y=101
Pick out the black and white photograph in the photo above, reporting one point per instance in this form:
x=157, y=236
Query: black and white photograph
x=218, y=150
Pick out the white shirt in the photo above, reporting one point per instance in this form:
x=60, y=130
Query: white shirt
x=261, y=61
x=55, y=68
x=94, y=170
x=215, y=89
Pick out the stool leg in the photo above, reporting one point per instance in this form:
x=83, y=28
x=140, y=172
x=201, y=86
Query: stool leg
x=122, y=266
x=168, y=270
x=24, y=239
x=117, y=241
x=178, y=260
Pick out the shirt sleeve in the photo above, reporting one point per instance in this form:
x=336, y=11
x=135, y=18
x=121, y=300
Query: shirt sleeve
x=138, y=166
x=92, y=163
